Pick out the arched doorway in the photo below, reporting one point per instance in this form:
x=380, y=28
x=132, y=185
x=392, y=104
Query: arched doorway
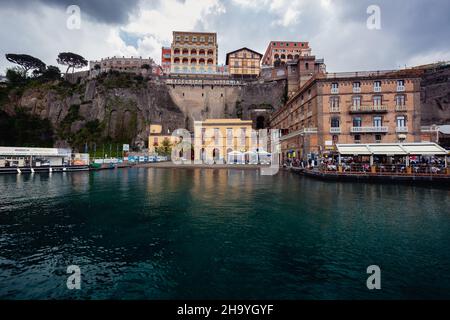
x=216, y=154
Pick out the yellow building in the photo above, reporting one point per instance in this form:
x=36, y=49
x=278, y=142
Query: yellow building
x=216, y=139
x=156, y=138
x=244, y=62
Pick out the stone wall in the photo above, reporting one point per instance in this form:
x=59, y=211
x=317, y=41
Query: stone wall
x=435, y=96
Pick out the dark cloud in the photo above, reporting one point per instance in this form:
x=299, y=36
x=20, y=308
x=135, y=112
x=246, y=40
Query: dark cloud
x=106, y=11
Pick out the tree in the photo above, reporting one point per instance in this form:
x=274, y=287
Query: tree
x=165, y=149
x=51, y=73
x=26, y=62
x=15, y=76
x=97, y=67
x=71, y=60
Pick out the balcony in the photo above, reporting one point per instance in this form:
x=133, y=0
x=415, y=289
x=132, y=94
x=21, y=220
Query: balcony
x=401, y=108
x=309, y=114
x=400, y=88
x=369, y=129
x=401, y=129
x=334, y=90
x=376, y=89
x=335, y=110
x=356, y=89
x=335, y=130
x=368, y=109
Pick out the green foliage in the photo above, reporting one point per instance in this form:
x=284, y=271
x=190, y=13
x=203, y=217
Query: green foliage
x=15, y=77
x=25, y=130
x=64, y=130
x=71, y=60
x=165, y=149
x=26, y=62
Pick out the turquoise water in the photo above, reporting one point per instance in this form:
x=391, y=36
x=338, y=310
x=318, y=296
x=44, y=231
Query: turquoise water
x=204, y=234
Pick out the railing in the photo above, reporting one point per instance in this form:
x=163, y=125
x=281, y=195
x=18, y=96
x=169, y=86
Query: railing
x=335, y=130
x=356, y=89
x=369, y=129
x=401, y=108
x=401, y=129
x=334, y=90
x=400, y=88
x=376, y=89
x=376, y=108
x=386, y=169
x=335, y=109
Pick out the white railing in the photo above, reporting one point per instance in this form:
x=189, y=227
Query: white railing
x=401, y=108
x=401, y=129
x=376, y=89
x=334, y=90
x=356, y=89
x=369, y=129
x=400, y=88
x=335, y=109
x=335, y=130
x=368, y=108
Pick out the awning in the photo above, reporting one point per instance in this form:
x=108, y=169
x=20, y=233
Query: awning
x=391, y=149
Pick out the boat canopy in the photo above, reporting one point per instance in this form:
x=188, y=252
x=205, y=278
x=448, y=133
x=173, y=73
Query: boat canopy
x=391, y=149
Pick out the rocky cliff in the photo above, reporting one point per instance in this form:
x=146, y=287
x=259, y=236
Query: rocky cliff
x=119, y=107
x=435, y=96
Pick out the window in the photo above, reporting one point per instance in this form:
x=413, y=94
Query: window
x=357, y=122
x=335, y=122
x=243, y=135
x=194, y=39
x=334, y=104
x=400, y=100
x=356, y=87
x=356, y=102
x=307, y=66
x=177, y=38
x=202, y=39
x=186, y=38
x=203, y=134
x=377, y=121
x=335, y=139
x=401, y=122
x=377, y=100
x=309, y=94
x=230, y=137
x=210, y=39
x=400, y=85
x=377, y=86
x=216, y=135
x=357, y=138
x=335, y=87
x=378, y=138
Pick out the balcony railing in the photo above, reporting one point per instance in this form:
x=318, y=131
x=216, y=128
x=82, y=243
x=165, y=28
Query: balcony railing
x=369, y=129
x=356, y=89
x=335, y=109
x=401, y=129
x=400, y=88
x=335, y=130
x=334, y=90
x=401, y=108
x=376, y=89
x=362, y=109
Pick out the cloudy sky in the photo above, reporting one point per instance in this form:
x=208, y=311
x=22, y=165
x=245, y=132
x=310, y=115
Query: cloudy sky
x=412, y=31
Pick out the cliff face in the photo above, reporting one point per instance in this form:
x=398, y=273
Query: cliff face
x=435, y=97
x=119, y=107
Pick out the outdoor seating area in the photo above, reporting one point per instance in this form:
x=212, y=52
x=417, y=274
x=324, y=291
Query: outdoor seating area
x=249, y=157
x=388, y=159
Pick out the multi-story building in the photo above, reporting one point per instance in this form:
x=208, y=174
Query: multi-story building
x=285, y=51
x=166, y=59
x=132, y=65
x=360, y=107
x=157, y=137
x=194, y=52
x=244, y=63
x=215, y=139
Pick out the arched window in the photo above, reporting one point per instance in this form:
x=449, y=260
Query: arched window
x=193, y=51
x=185, y=51
x=290, y=56
x=176, y=51
x=210, y=61
x=297, y=56
x=277, y=56
x=201, y=52
x=193, y=61
x=210, y=52
x=283, y=56
x=185, y=60
x=176, y=60
x=201, y=61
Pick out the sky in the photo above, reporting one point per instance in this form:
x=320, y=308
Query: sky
x=411, y=32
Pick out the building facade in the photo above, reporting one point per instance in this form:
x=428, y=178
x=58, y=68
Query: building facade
x=285, y=51
x=123, y=64
x=244, y=63
x=215, y=139
x=361, y=107
x=166, y=59
x=194, y=52
x=157, y=137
